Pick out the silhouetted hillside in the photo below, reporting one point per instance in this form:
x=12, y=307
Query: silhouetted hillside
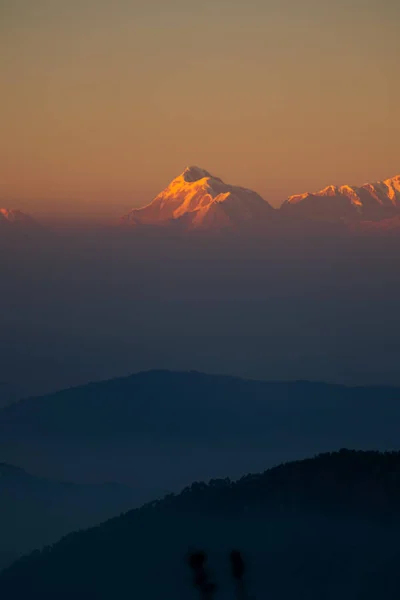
x=35, y=511
x=326, y=527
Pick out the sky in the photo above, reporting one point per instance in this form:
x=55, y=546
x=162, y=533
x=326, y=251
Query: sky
x=103, y=102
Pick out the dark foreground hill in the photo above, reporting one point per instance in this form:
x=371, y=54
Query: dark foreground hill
x=36, y=511
x=159, y=430
x=326, y=527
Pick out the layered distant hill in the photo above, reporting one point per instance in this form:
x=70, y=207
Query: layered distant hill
x=196, y=200
x=36, y=511
x=158, y=430
x=326, y=527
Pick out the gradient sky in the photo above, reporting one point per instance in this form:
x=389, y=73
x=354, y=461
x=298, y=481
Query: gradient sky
x=103, y=102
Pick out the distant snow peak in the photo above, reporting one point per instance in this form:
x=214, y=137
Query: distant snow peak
x=13, y=220
x=8, y=214
x=371, y=200
x=198, y=200
x=12, y=215
x=192, y=174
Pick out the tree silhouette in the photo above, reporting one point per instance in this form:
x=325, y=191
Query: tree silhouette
x=197, y=562
x=238, y=570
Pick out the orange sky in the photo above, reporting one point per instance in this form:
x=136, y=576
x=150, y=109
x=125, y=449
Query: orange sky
x=103, y=102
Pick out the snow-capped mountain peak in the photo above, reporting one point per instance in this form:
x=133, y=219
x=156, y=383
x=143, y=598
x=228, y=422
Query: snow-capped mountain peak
x=393, y=187
x=11, y=215
x=198, y=200
x=371, y=200
x=192, y=174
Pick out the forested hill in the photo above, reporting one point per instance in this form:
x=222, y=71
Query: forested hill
x=324, y=527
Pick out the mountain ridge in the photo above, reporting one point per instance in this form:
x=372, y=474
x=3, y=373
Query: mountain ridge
x=323, y=524
x=375, y=201
x=158, y=416
x=197, y=200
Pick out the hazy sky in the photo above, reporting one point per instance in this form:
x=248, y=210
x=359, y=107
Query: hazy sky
x=104, y=101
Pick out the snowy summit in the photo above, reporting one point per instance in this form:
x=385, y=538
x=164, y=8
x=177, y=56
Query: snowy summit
x=371, y=200
x=12, y=216
x=198, y=200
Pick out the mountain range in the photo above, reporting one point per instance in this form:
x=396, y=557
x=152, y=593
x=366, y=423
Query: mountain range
x=327, y=521
x=372, y=201
x=196, y=200
x=325, y=527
